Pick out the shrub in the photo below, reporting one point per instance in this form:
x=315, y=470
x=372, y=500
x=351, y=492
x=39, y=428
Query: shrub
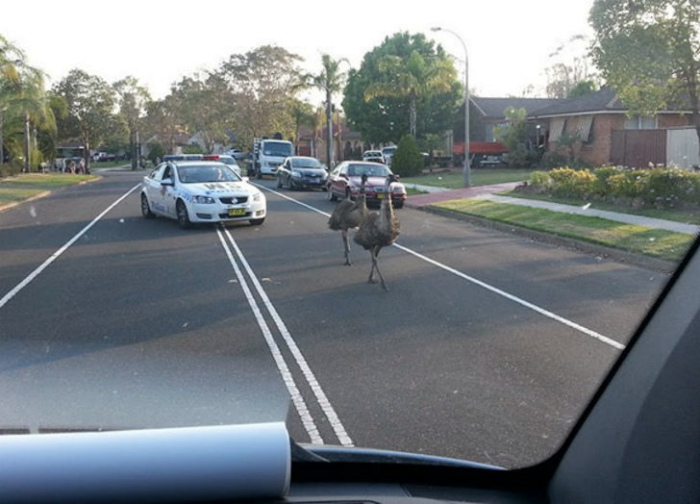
x=407, y=159
x=540, y=180
x=570, y=183
x=553, y=159
x=156, y=151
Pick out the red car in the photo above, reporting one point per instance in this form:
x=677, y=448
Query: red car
x=344, y=182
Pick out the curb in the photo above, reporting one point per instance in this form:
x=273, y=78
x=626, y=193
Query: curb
x=7, y=206
x=46, y=193
x=650, y=263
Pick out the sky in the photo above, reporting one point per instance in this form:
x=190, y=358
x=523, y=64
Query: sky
x=509, y=42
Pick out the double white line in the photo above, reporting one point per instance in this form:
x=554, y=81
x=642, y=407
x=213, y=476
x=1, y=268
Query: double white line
x=230, y=246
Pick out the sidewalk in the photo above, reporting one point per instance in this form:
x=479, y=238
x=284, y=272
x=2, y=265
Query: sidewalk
x=438, y=194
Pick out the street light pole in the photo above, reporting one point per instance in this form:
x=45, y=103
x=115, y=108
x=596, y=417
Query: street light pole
x=466, y=171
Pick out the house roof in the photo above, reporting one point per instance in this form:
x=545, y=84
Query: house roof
x=602, y=101
x=494, y=108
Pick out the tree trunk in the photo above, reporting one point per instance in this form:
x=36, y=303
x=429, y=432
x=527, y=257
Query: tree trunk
x=2, y=151
x=413, y=116
x=329, y=129
x=26, y=143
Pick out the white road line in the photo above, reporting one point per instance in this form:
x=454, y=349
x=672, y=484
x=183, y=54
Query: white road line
x=516, y=299
x=297, y=399
x=495, y=290
x=60, y=251
x=321, y=397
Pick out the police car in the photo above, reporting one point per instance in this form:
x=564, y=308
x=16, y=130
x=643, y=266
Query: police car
x=199, y=192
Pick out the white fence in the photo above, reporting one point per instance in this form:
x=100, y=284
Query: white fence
x=682, y=148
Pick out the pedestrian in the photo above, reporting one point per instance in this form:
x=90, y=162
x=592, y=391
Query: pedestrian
x=71, y=166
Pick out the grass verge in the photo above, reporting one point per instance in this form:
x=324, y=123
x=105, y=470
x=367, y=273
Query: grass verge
x=27, y=185
x=14, y=195
x=655, y=243
x=480, y=177
x=45, y=180
x=677, y=215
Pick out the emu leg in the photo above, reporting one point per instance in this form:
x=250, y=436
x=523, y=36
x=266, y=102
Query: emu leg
x=346, y=243
x=381, y=278
x=374, y=266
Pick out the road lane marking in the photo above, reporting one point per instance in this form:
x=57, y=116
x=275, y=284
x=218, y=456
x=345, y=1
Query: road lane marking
x=60, y=251
x=313, y=383
x=491, y=288
x=515, y=299
x=297, y=399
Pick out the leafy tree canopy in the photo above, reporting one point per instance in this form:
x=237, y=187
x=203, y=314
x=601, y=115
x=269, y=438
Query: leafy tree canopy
x=405, y=68
x=263, y=84
x=91, y=103
x=647, y=50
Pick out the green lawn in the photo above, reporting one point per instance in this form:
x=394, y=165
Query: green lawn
x=27, y=185
x=685, y=216
x=109, y=164
x=480, y=177
x=636, y=239
x=15, y=194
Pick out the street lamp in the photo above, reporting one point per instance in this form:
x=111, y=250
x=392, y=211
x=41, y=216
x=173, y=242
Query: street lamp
x=466, y=172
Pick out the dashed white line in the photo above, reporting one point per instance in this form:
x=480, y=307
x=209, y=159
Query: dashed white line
x=60, y=251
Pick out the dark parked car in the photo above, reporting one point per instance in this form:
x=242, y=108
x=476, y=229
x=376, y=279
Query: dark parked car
x=344, y=182
x=300, y=172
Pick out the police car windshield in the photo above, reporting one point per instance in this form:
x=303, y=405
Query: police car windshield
x=198, y=174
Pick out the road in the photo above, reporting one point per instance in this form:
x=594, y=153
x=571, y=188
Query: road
x=487, y=346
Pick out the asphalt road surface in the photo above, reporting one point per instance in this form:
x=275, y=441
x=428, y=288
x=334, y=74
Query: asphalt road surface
x=487, y=346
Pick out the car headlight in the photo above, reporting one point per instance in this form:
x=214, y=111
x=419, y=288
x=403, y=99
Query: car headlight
x=203, y=199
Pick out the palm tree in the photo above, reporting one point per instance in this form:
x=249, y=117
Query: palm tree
x=412, y=78
x=10, y=55
x=22, y=96
x=331, y=81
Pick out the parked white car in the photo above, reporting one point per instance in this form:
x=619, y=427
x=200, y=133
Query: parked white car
x=201, y=192
x=388, y=153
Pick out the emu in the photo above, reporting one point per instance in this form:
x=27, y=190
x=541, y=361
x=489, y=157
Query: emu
x=347, y=215
x=378, y=230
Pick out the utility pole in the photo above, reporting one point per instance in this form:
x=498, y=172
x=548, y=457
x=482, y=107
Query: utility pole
x=466, y=170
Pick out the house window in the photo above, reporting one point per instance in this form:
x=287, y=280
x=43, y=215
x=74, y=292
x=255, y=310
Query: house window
x=639, y=122
x=488, y=133
x=556, y=128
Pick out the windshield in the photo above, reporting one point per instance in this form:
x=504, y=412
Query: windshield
x=206, y=173
x=371, y=170
x=545, y=188
x=306, y=163
x=277, y=149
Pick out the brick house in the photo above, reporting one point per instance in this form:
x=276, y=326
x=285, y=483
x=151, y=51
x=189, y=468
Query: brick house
x=596, y=121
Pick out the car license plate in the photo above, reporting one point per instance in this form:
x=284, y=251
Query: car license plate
x=380, y=195
x=235, y=212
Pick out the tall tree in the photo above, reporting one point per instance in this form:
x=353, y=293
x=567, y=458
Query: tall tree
x=133, y=99
x=400, y=87
x=204, y=105
x=304, y=115
x=91, y=103
x=263, y=83
x=24, y=106
x=163, y=122
x=571, y=73
x=649, y=52
x=330, y=81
